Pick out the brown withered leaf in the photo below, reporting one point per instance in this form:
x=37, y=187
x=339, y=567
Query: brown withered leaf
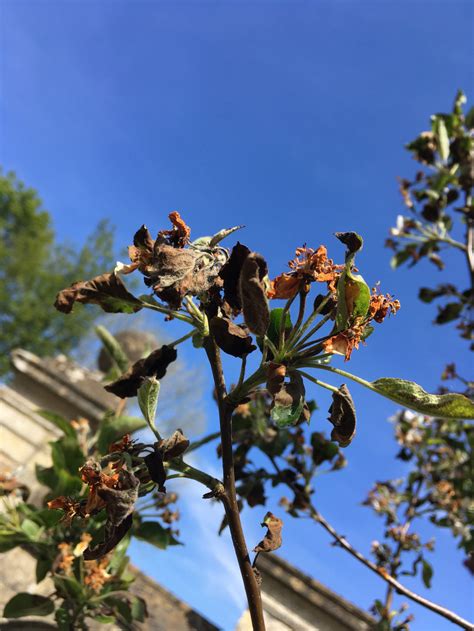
x=230, y=274
x=156, y=468
x=113, y=536
x=106, y=290
x=155, y=365
x=253, y=294
x=119, y=505
x=275, y=377
x=177, y=272
x=231, y=338
x=143, y=239
x=272, y=540
x=343, y=416
x=174, y=446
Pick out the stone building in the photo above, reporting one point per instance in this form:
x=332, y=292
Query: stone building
x=292, y=601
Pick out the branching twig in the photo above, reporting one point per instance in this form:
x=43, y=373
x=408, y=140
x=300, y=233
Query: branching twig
x=401, y=589
x=381, y=572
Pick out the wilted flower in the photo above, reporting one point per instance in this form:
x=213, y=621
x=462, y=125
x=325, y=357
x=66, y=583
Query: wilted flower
x=308, y=266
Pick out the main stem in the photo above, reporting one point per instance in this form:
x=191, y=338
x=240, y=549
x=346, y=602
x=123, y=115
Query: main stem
x=229, y=497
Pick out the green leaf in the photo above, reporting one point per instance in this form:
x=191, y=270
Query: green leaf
x=121, y=607
x=113, y=348
x=442, y=138
x=148, y=399
x=8, y=541
x=449, y=312
x=42, y=568
x=60, y=422
x=46, y=476
x=412, y=396
x=67, y=455
x=353, y=293
x=69, y=587
x=426, y=573
x=400, y=257
x=48, y=517
x=120, y=555
x=286, y=415
x=112, y=429
x=276, y=317
x=31, y=529
x=104, y=619
x=469, y=120
x=138, y=608
x=154, y=533
x=24, y=604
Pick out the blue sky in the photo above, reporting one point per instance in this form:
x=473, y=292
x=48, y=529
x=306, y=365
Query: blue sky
x=290, y=118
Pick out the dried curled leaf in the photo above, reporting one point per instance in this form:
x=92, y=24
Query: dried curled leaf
x=253, y=294
x=176, y=272
x=230, y=337
x=156, y=468
x=230, y=274
x=342, y=415
x=155, y=365
x=272, y=540
x=113, y=536
x=119, y=504
x=174, y=446
x=106, y=290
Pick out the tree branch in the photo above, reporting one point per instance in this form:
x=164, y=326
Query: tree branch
x=401, y=589
x=381, y=572
x=229, y=498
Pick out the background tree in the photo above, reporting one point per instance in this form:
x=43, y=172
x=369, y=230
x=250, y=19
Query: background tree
x=33, y=267
x=440, y=201
x=437, y=485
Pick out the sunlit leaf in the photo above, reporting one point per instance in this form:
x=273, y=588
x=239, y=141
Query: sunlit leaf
x=412, y=396
x=148, y=398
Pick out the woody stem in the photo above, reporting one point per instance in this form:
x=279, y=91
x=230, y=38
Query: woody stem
x=229, y=497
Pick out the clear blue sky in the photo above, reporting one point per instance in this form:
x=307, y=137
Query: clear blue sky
x=290, y=118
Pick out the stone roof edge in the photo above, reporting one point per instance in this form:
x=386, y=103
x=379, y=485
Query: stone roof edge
x=286, y=573
x=39, y=372
x=169, y=595
x=20, y=403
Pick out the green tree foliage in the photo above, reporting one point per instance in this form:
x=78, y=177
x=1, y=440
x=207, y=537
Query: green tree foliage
x=34, y=267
